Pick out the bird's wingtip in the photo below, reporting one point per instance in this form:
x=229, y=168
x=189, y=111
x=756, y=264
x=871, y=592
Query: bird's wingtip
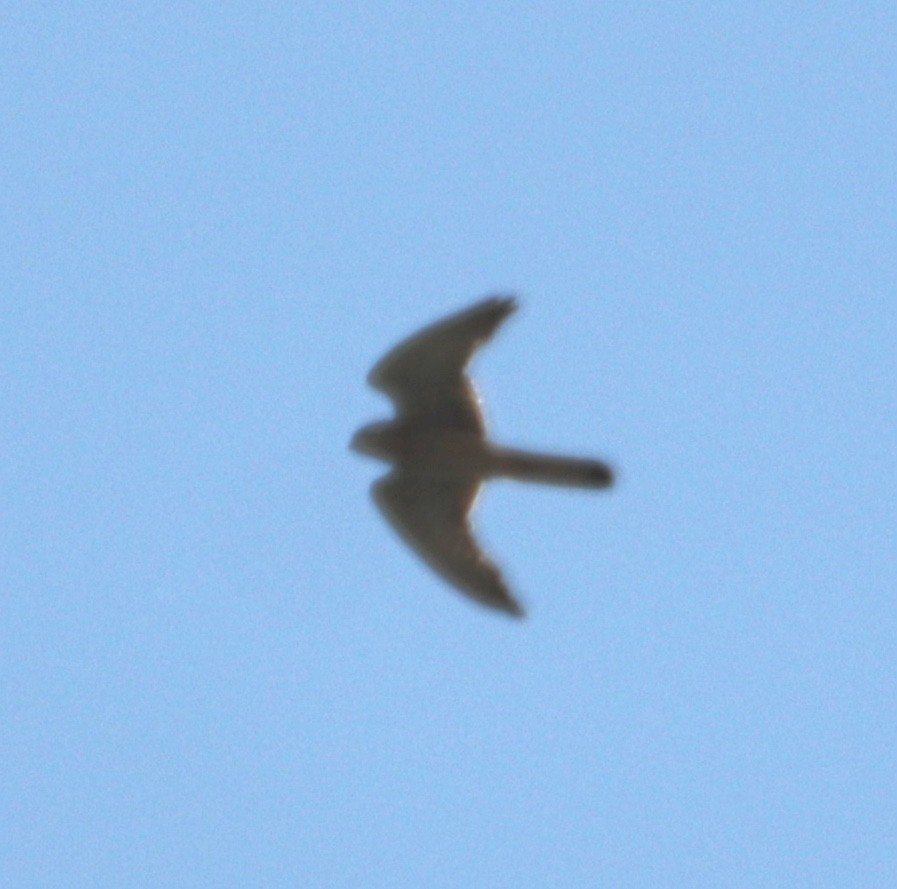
x=511, y=607
x=507, y=302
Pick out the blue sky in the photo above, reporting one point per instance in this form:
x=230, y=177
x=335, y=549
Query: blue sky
x=221, y=668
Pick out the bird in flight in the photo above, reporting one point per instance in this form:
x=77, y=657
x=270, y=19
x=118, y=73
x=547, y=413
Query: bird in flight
x=441, y=456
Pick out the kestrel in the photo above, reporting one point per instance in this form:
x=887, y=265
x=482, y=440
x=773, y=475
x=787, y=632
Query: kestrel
x=441, y=454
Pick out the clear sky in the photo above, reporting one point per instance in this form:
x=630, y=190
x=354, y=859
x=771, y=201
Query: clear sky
x=220, y=667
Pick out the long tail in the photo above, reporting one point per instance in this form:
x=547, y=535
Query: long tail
x=547, y=470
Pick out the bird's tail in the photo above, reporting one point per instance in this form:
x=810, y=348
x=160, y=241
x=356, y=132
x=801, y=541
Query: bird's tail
x=547, y=470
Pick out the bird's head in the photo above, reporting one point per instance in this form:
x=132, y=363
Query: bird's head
x=375, y=440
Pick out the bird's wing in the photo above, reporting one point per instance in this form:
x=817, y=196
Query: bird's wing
x=424, y=374
x=431, y=515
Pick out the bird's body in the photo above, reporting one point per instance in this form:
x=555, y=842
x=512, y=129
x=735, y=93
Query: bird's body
x=437, y=451
x=441, y=456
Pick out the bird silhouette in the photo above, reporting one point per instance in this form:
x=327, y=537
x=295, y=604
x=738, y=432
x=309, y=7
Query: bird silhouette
x=441, y=455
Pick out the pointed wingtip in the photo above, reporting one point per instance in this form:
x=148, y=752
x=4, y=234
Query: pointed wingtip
x=511, y=607
x=506, y=303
